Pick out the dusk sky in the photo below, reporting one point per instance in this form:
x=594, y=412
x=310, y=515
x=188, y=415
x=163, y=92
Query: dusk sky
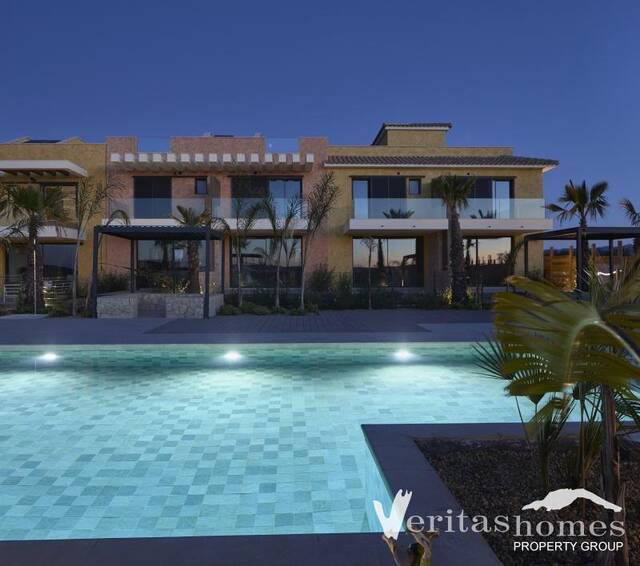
x=557, y=79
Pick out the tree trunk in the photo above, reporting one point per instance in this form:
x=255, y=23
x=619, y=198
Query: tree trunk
x=194, y=267
x=277, y=301
x=239, y=271
x=610, y=463
x=303, y=265
x=33, y=283
x=74, y=283
x=456, y=258
x=369, y=280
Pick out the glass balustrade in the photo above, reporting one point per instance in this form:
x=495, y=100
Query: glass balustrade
x=432, y=208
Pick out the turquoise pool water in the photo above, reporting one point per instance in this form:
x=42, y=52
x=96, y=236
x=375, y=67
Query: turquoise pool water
x=192, y=440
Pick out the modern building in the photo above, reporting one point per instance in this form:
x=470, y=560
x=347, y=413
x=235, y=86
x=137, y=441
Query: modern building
x=384, y=192
x=47, y=164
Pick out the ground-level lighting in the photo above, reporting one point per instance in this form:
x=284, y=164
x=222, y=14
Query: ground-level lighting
x=403, y=355
x=232, y=357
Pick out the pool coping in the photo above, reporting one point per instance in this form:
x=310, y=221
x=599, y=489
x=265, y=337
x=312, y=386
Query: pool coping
x=403, y=466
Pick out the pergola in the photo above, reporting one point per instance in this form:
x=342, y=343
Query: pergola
x=136, y=233
x=581, y=236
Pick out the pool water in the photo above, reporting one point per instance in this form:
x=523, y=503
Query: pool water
x=214, y=440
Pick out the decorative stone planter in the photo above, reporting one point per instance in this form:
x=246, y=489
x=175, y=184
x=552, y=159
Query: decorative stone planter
x=165, y=305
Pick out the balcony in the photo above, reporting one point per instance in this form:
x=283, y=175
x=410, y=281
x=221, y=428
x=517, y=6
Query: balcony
x=228, y=209
x=155, y=211
x=429, y=214
x=163, y=211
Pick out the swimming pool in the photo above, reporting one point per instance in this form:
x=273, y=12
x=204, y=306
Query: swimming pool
x=213, y=440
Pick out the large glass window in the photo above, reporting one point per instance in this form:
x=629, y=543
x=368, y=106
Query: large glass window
x=395, y=262
x=164, y=264
x=491, y=198
x=152, y=197
x=259, y=260
x=383, y=196
x=57, y=261
x=256, y=188
x=487, y=260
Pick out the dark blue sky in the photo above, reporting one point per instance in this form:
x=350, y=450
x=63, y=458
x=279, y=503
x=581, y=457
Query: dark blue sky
x=557, y=79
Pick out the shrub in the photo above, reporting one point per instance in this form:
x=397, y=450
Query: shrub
x=227, y=310
x=59, y=309
x=251, y=308
x=321, y=279
x=111, y=281
x=343, y=292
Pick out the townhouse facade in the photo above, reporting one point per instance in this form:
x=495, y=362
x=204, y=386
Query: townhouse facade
x=385, y=193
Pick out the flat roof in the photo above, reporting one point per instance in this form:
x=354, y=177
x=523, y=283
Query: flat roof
x=592, y=233
x=41, y=168
x=160, y=232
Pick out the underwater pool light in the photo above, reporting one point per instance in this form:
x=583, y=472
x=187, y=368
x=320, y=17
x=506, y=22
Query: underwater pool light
x=403, y=355
x=48, y=357
x=232, y=356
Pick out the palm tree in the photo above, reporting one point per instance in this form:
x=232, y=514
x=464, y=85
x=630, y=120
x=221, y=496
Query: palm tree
x=371, y=244
x=550, y=343
x=634, y=217
x=632, y=214
x=189, y=217
x=315, y=208
x=290, y=248
x=30, y=210
x=281, y=229
x=454, y=192
x=578, y=201
x=90, y=202
x=244, y=218
x=583, y=203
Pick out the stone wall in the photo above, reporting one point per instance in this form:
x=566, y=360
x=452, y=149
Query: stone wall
x=127, y=305
x=120, y=305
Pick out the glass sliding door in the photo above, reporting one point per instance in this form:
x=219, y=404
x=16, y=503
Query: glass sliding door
x=395, y=262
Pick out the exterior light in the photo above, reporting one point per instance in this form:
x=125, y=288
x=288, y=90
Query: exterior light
x=48, y=357
x=403, y=355
x=232, y=357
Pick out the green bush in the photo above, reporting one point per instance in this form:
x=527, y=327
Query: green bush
x=111, y=281
x=59, y=309
x=228, y=310
x=249, y=307
x=321, y=279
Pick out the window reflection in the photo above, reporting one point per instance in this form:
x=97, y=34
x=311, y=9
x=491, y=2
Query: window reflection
x=395, y=262
x=487, y=260
x=259, y=260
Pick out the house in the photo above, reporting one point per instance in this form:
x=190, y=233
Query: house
x=385, y=193
x=47, y=164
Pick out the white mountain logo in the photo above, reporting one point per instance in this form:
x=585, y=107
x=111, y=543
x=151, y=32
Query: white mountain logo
x=392, y=524
x=561, y=498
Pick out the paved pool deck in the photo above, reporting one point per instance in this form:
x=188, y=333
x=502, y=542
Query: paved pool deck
x=397, y=325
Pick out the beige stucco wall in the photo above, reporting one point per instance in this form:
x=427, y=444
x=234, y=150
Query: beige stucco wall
x=89, y=156
x=528, y=183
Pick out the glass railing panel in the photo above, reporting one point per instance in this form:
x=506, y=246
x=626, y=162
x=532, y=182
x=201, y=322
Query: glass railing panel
x=516, y=208
x=398, y=208
x=432, y=208
x=155, y=208
x=233, y=208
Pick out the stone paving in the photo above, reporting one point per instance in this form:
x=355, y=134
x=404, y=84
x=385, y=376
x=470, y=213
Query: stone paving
x=398, y=325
